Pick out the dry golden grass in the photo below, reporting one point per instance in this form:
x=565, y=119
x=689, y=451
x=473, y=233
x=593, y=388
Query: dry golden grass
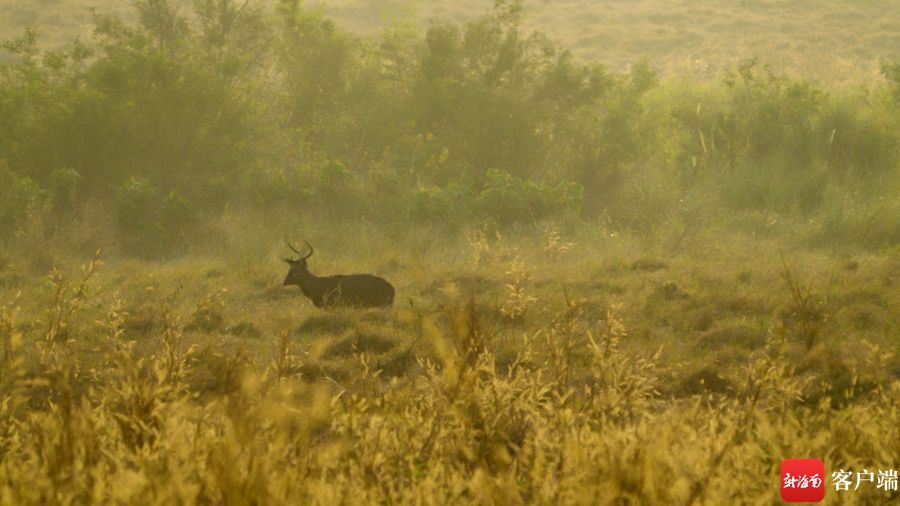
x=626, y=378
x=832, y=41
x=838, y=41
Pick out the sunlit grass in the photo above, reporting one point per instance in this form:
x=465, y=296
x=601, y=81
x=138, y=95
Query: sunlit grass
x=140, y=381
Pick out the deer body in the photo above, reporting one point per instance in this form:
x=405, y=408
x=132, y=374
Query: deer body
x=340, y=290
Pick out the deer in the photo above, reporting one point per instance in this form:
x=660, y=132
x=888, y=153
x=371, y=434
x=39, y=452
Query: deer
x=339, y=290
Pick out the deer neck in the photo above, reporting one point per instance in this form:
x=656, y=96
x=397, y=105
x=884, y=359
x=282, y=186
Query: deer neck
x=310, y=284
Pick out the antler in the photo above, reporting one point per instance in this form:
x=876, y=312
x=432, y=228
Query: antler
x=292, y=247
x=295, y=250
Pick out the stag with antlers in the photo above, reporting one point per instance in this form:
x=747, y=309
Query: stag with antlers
x=339, y=290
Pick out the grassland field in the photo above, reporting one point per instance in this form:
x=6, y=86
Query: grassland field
x=703, y=366
x=834, y=41
x=554, y=361
x=707, y=306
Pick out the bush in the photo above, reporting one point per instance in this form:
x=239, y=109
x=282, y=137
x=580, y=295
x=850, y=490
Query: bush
x=509, y=199
x=176, y=217
x=450, y=203
x=148, y=226
x=334, y=181
x=312, y=119
x=64, y=189
x=870, y=225
x=859, y=141
x=775, y=185
x=136, y=204
x=22, y=199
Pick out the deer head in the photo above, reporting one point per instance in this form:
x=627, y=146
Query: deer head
x=298, y=267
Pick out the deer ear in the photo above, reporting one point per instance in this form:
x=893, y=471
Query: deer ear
x=288, y=261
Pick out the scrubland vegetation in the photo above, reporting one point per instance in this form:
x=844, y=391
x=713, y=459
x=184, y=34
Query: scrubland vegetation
x=612, y=286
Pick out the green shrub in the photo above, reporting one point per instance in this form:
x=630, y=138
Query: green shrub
x=450, y=203
x=23, y=198
x=334, y=180
x=277, y=187
x=509, y=199
x=307, y=118
x=176, y=217
x=859, y=142
x=136, y=202
x=775, y=185
x=136, y=205
x=870, y=225
x=64, y=189
x=148, y=226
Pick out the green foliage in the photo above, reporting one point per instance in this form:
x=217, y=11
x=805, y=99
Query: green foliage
x=176, y=217
x=447, y=203
x=148, y=225
x=136, y=204
x=859, y=143
x=21, y=200
x=64, y=185
x=465, y=122
x=509, y=199
x=37, y=89
x=161, y=98
x=775, y=145
x=503, y=199
x=604, y=137
x=770, y=115
x=333, y=180
x=891, y=71
x=874, y=225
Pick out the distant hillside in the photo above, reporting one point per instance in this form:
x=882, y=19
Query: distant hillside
x=57, y=21
x=833, y=40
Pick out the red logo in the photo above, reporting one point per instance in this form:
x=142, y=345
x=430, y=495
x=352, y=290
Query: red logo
x=802, y=480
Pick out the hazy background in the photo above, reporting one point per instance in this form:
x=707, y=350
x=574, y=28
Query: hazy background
x=832, y=40
x=629, y=240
